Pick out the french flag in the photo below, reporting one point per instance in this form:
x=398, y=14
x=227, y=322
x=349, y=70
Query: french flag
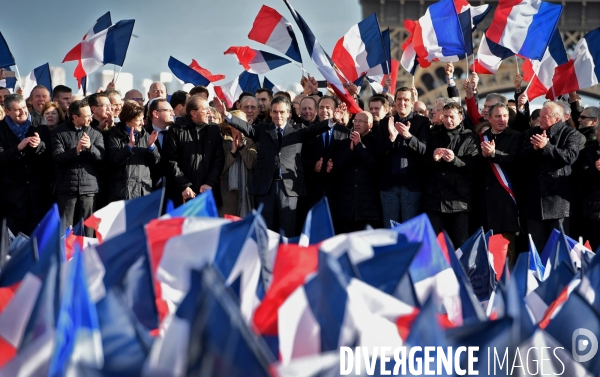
x=583, y=70
x=78, y=339
x=230, y=92
x=6, y=57
x=103, y=44
x=541, y=73
x=523, y=28
x=186, y=73
x=205, y=72
x=39, y=76
x=361, y=50
x=324, y=63
x=117, y=217
x=272, y=29
x=267, y=84
x=438, y=34
x=318, y=225
x=256, y=61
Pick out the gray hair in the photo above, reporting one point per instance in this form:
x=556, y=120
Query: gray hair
x=9, y=99
x=496, y=97
x=593, y=110
x=556, y=110
x=249, y=98
x=498, y=105
x=444, y=100
x=565, y=106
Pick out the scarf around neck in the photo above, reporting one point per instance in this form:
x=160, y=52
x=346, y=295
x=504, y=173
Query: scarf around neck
x=19, y=130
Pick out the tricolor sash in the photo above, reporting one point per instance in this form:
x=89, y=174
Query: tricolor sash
x=501, y=176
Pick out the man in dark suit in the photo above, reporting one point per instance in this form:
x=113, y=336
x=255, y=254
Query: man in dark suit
x=195, y=153
x=278, y=178
x=317, y=154
x=161, y=118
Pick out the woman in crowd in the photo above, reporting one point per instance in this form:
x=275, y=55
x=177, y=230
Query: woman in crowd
x=130, y=152
x=53, y=114
x=240, y=158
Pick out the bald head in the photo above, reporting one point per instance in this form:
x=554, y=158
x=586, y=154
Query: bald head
x=157, y=90
x=363, y=122
x=420, y=108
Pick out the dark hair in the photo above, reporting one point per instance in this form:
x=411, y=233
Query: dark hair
x=381, y=99
x=75, y=107
x=154, y=105
x=200, y=89
x=192, y=103
x=245, y=94
x=93, y=99
x=336, y=102
x=307, y=97
x=498, y=105
x=131, y=110
x=405, y=89
x=454, y=106
x=278, y=100
x=512, y=101
x=178, y=98
x=265, y=90
x=60, y=89
x=9, y=99
x=534, y=115
x=283, y=94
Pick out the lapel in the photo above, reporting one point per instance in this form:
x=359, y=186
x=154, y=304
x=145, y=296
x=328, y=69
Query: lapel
x=288, y=129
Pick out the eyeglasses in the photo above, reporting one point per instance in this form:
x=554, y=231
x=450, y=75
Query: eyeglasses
x=586, y=117
x=249, y=107
x=168, y=110
x=360, y=121
x=136, y=99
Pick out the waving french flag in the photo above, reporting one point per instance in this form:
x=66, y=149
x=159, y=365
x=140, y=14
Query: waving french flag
x=39, y=76
x=361, y=51
x=103, y=44
x=256, y=61
x=323, y=62
x=272, y=29
x=523, y=28
x=186, y=73
x=230, y=92
x=583, y=70
x=205, y=72
x=542, y=72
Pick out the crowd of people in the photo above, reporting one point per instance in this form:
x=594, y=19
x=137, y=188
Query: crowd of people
x=505, y=169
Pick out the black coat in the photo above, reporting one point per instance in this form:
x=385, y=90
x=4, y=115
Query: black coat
x=448, y=184
x=323, y=183
x=548, y=170
x=590, y=135
x=195, y=155
x=269, y=154
x=358, y=197
x=25, y=176
x=402, y=161
x=589, y=181
x=129, y=168
x=76, y=174
x=499, y=210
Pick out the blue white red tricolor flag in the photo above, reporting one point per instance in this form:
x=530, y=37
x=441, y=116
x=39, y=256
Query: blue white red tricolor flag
x=39, y=76
x=230, y=92
x=272, y=29
x=256, y=61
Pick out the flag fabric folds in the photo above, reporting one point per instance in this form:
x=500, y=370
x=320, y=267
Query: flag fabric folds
x=186, y=73
x=6, y=57
x=583, y=69
x=523, y=28
x=104, y=44
x=267, y=84
x=272, y=29
x=361, y=51
x=230, y=92
x=542, y=72
x=256, y=61
x=323, y=62
x=205, y=72
x=39, y=76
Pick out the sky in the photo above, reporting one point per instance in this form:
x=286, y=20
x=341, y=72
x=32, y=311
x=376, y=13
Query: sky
x=44, y=31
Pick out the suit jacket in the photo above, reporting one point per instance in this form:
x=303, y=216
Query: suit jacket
x=289, y=157
x=321, y=183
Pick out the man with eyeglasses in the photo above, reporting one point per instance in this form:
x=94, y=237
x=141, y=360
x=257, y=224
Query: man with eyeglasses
x=102, y=117
x=25, y=193
x=77, y=151
x=421, y=109
x=161, y=119
x=195, y=152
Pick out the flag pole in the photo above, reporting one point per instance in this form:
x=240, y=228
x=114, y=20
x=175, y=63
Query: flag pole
x=467, y=65
x=517, y=61
x=21, y=83
x=118, y=73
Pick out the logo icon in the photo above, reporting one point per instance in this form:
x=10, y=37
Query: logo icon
x=589, y=346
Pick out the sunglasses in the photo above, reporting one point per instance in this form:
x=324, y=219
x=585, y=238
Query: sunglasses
x=585, y=117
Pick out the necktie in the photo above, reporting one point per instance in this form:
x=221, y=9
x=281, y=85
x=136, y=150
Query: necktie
x=327, y=139
x=279, y=136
